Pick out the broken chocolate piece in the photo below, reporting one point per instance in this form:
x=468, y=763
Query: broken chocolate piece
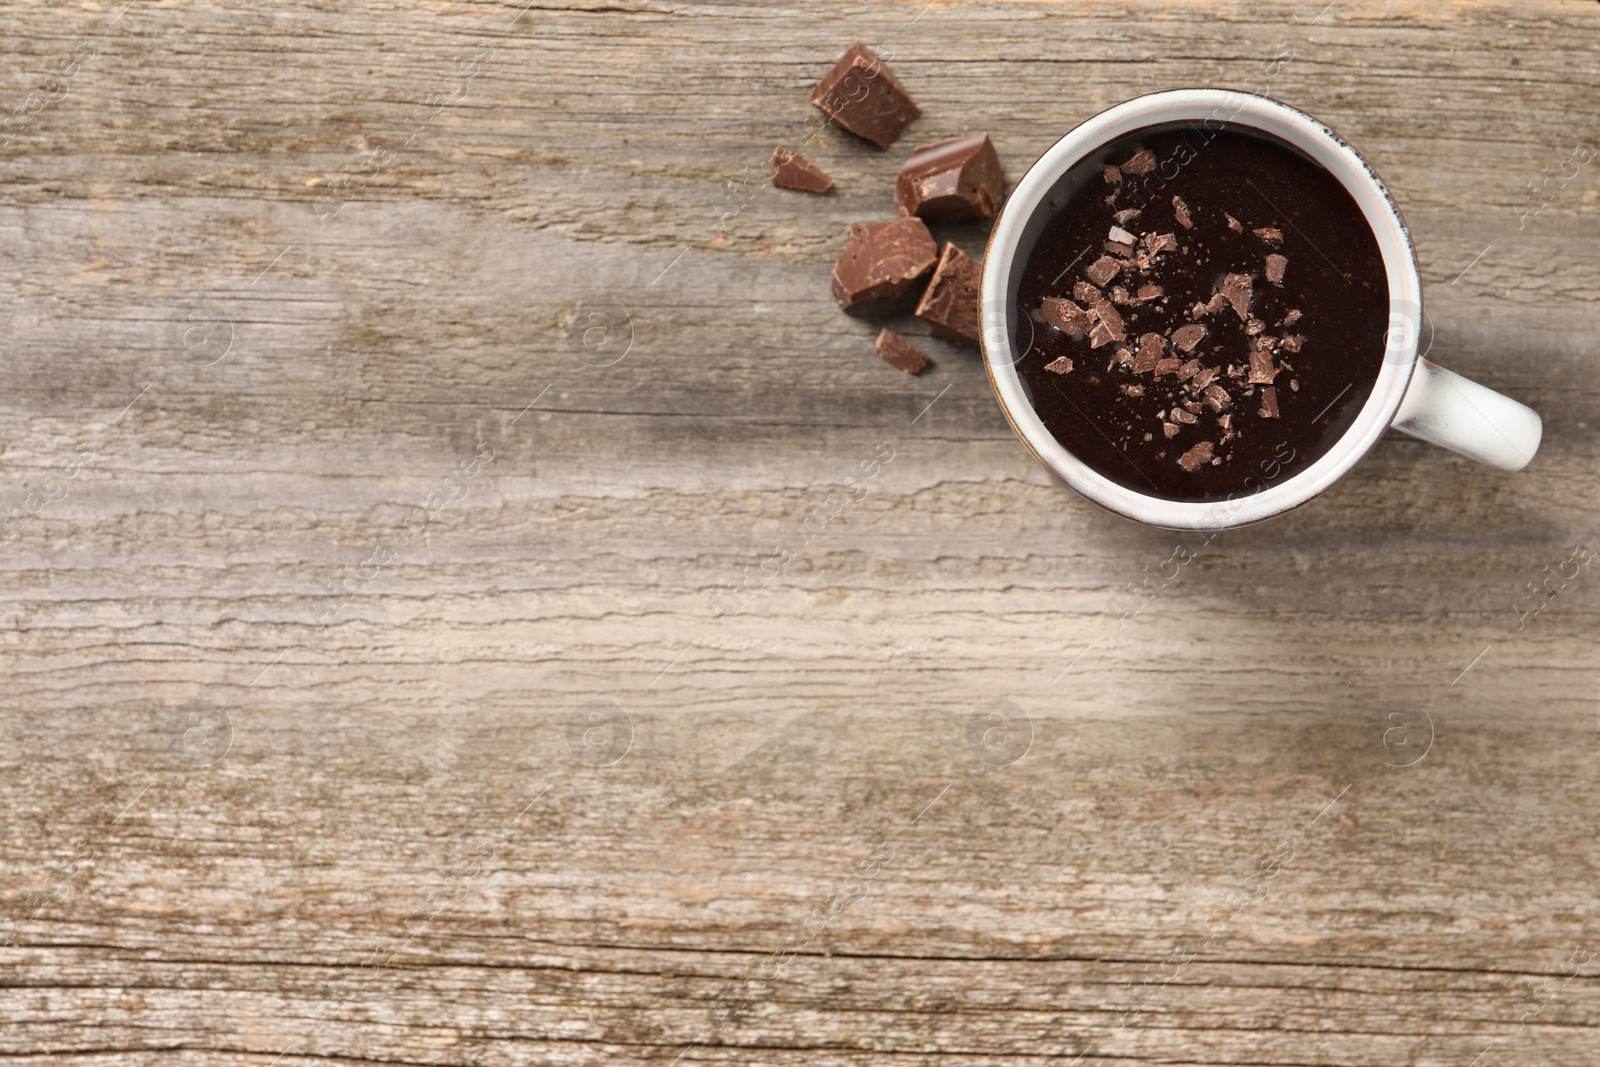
x=1112, y=175
x=950, y=303
x=1169, y=365
x=957, y=179
x=1206, y=376
x=1107, y=316
x=1233, y=223
x=1103, y=270
x=1169, y=429
x=1269, y=403
x=1121, y=236
x=1143, y=163
x=1064, y=315
x=1186, y=337
x=1127, y=214
x=1060, y=365
x=791, y=170
x=1291, y=343
x=1236, y=289
x=900, y=353
x=862, y=94
x=1179, y=415
x=1084, y=293
x=882, y=260
x=1270, y=234
x=1161, y=242
x=1180, y=211
x=1262, y=370
x=1196, y=456
x=1275, y=268
x=1148, y=293
x=1188, y=370
x=1292, y=317
x=1216, y=397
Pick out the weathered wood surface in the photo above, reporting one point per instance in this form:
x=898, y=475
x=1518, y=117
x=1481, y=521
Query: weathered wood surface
x=1325, y=800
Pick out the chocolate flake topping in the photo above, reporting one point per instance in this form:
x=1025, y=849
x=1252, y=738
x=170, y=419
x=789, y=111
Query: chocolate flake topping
x=1262, y=370
x=1061, y=365
x=1275, y=268
x=1065, y=316
x=1270, y=234
x=1180, y=211
x=1269, y=403
x=1113, y=176
x=1186, y=337
x=1143, y=163
x=1233, y=223
x=1196, y=456
x=1103, y=270
x=1236, y=289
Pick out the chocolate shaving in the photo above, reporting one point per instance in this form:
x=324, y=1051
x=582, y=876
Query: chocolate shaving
x=1270, y=234
x=1143, y=163
x=1269, y=403
x=898, y=352
x=1291, y=343
x=1151, y=350
x=1084, y=293
x=1262, y=370
x=1216, y=397
x=1233, y=223
x=1112, y=175
x=1204, y=378
x=1291, y=318
x=1236, y=289
x=1128, y=214
x=1065, y=316
x=1276, y=265
x=1180, y=211
x=1180, y=415
x=1103, y=270
x=1167, y=366
x=1161, y=242
x=1059, y=366
x=1197, y=456
x=1186, y=337
x=1169, y=429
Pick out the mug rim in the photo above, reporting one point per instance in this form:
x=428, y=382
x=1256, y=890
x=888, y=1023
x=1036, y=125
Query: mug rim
x=1266, y=115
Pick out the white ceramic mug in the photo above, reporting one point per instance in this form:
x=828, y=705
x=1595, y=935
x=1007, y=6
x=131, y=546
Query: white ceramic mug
x=1411, y=394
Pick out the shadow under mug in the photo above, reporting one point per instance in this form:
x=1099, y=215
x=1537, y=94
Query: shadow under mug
x=1410, y=394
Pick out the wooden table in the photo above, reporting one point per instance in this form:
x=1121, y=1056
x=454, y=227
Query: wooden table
x=404, y=405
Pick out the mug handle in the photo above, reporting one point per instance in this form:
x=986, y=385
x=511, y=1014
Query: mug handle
x=1445, y=409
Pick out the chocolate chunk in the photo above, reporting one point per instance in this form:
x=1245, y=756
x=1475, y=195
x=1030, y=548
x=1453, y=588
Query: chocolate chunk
x=1151, y=349
x=1180, y=211
x=1065, y=316
x=1119, y=295
x=1236, y=290
x=862, y=94
x=1215, y=304
x=1292, y=317
x=1112, y=175
x=1269, y=403
x=1270, y=234
x=1169, y=429
x=898, y=352
x=1186, y=337
x=882, y=260
x=1084, y=293
x=1204, y=378
x=1062, y=365
x=1143, y=163
x=1196, y=456
x=1262, y=370
x=1107, y=316
x=1103, y=270
x=1168, y=366
x=1233, y=223
x=1225, y=421
x=1216, y=397
x=950, y=303
x=791, y=170
x=1188, y=370
x=957, y=179
x=1161, y=242
x=1275, y=268
x=1181, y=416
x=1148, y=293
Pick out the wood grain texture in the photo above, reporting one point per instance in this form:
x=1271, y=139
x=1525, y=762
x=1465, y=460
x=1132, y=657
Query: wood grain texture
x=396, y=674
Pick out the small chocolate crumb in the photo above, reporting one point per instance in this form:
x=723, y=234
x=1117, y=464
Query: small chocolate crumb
x=1291, y=343
x=1143, y=163
x=1065, y=316
x=1119, y=295
x=1225, y=421
x=1180, y=415
x=1103, y=270
x=1084, y=293
x=1276, y=265
x=1294, y=385
x=1269, y=403
x=1059, y=366
x=1292, y=317
x=1128, y=214
x=900, y=353
x=1254, y=327
x=1186, y=337
x=1196, y=456
x=1270, y=234
x=1215, y=304
x=1133, y=389
x=1169, y=429
x=1180, y=211
x=1233, y=223
x=1112, y=175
